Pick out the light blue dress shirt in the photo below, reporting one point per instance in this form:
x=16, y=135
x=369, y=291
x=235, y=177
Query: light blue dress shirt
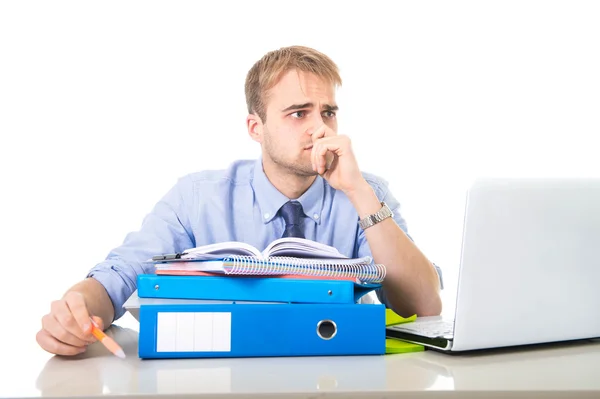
x=235, y=204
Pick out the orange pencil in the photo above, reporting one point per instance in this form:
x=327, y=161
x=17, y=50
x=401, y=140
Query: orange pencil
x=107, y=341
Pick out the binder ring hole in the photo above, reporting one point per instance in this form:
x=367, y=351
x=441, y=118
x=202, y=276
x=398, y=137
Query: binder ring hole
x=326, y=329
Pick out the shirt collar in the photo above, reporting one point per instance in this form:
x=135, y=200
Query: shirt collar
x=269, y=199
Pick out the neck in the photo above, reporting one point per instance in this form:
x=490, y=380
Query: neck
x=286, y=181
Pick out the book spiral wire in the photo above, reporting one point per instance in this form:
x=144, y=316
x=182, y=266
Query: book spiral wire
x=249, y=265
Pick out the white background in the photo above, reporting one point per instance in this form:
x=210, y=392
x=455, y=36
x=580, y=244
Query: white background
x=103, y=105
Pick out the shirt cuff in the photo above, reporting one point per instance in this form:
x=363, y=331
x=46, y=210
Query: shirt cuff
x=118, y=289
x=439, y=273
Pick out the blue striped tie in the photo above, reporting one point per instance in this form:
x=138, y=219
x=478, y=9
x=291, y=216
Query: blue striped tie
x=292, y=214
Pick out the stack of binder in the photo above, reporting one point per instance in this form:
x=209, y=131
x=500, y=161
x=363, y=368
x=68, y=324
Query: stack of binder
x=215, y=305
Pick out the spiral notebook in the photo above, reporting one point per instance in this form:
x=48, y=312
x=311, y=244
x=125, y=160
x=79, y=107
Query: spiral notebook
x=287, y=256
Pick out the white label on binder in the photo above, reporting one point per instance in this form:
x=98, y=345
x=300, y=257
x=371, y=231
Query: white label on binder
x=203, y=332
x=221, y=332
x=193, y=332
x=184, y=342
x=166, y=332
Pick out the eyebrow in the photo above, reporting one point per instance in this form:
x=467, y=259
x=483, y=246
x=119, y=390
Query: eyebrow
x=326, y=107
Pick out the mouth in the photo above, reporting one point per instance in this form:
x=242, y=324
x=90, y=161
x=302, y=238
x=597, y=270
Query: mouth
x=308, y=148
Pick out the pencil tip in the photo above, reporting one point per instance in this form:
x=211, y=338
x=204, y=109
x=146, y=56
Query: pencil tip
x=120, y=353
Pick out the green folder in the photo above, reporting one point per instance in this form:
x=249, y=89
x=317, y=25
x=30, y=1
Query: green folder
x=393, y=345
x=392, y=318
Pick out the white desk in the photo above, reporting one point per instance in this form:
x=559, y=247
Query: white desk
x=566, y=370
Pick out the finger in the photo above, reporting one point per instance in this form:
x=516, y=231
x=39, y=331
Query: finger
x=62, y=313
x=322, y=159
x=55, y=329
x=329, y=158
x=318, y=133
x=99, y=322
x=315, y=157
x=315, y=135
x=331, y=165
x=318, y=155
x=324, y=153
x=52, y=345
x=77, y=307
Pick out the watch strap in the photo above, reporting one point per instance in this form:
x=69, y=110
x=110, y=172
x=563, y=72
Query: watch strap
x=371, y=220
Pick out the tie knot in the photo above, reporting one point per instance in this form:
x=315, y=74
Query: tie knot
x=291, y=212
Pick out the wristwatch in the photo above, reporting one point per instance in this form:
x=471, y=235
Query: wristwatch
x=382, y=214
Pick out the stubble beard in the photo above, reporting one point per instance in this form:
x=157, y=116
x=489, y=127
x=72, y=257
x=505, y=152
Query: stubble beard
x=296, y=167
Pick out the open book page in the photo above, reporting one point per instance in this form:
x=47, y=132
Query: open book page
x=283, y=247
x=325, y=262
x=220, y=250
x=301, y=248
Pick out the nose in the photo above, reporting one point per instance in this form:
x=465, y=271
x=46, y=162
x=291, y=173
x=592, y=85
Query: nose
x=314, y=123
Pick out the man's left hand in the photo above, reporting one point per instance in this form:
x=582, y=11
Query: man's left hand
x=332, y=158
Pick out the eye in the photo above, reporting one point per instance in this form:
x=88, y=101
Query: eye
x=329, y=114
x=298, y=114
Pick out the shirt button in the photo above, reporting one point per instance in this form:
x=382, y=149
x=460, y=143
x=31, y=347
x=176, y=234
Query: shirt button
x=316, y=215
x=267, y=215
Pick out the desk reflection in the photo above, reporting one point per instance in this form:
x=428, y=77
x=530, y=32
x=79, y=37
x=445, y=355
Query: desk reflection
x=95, y=372
x=557, y=367
x=563, y=366
x=99, y=372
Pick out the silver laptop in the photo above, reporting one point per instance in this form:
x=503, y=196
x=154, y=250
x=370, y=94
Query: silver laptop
x=529, y=268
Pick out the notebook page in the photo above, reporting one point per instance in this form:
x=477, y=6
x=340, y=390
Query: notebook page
x=301, y=248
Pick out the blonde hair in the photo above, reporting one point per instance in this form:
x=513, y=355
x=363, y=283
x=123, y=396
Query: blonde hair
x=267, y=71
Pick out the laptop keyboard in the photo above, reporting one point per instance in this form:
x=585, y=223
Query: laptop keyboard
x=430, y=329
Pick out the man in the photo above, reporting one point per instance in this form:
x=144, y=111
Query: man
x=307, y=183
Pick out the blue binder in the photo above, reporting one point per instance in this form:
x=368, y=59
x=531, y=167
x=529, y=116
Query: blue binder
x=202, y=329
x=264, y=289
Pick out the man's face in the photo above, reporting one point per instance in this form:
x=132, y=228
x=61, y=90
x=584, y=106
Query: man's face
x=295, y=107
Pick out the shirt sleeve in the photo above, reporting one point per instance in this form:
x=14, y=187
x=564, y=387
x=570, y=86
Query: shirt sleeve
x=384, y=194
x=166, y=229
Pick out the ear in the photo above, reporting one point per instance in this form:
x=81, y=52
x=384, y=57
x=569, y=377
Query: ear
x=255, y=127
